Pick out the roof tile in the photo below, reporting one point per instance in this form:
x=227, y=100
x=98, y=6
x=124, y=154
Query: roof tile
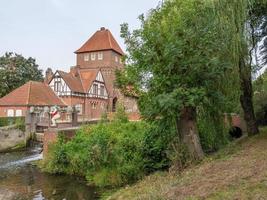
x=31, y=94
x=101, y=40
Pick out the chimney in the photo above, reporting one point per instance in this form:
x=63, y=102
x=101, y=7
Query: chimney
x=48, y=75
x=74, y=71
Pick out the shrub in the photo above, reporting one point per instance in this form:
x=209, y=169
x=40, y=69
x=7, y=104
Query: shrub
x=113, y=154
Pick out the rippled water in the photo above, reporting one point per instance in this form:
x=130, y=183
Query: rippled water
x=19, y=176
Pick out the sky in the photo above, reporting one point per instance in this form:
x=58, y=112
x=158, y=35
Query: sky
x=51, y=30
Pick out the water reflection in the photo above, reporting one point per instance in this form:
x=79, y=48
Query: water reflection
x=27, y=181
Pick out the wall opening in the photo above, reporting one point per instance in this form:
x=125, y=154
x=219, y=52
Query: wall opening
x=235, y=132
x=114, y=104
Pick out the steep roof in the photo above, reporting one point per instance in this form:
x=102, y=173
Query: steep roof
x=73, y=82
x=87, y=77
x=101, y=40
x=31, y=94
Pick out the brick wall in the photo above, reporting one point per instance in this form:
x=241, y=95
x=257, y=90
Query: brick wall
x=3, y=110
x=107, y=61
x=51, y=136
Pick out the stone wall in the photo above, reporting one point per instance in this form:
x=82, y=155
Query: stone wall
x=11, y=138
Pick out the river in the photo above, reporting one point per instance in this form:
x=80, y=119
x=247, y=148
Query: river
x=20, y=180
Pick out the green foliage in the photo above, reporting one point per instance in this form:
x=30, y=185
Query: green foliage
x=8, y=121
x=260, y=96
x=213, y=134
x=113, y=154
x=104, y=117
x=120, y=114
x=15, y=70
x=182, y=56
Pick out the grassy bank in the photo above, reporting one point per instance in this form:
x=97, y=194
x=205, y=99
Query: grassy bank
x=238, y=171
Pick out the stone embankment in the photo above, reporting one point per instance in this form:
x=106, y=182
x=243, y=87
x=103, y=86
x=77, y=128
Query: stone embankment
x=12, y=138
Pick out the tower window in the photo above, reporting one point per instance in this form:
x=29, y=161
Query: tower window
x=93, y=56
x=86, y=57
x=100, y=56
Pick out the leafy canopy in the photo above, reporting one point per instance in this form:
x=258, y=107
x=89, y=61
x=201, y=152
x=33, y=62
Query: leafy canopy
x=181, y=56
x=15, y=70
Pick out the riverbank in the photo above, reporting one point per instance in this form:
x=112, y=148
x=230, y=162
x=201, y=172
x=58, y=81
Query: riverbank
x=237, y=172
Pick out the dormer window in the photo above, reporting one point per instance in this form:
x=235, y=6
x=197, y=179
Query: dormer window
x=100, y=56
x=93, y=56
x=86, y=57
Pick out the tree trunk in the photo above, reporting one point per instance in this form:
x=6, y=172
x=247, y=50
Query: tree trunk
x=188, y=132
x=246, y=98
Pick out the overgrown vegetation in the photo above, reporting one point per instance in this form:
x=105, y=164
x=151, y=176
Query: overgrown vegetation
x=112, y=154
x=8, y=121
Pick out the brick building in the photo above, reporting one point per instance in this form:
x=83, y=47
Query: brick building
x=89, y=86
x=29, y=95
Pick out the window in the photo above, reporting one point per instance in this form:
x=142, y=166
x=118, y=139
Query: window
x=120, y=60
x=57, y=85
x=95, y=89
x=94, y=106
x=79, y=108
x=18, y=113
x=86, y=57
x=102, y=90
x=100, y=56
x=92, y=56
x=116, y=59
x=10, y=113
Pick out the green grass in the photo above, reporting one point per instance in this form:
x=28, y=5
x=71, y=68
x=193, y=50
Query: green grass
x=238, y=171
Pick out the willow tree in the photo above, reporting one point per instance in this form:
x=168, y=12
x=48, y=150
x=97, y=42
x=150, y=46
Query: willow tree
x=179, y=56
x=245, y=17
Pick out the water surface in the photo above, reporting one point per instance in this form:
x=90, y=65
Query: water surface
x=19, y=176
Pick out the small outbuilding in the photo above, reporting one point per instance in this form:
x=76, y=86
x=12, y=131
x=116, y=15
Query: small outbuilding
x=32, y=94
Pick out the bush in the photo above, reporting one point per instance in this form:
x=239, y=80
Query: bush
x=106, y=154
x=112, y=154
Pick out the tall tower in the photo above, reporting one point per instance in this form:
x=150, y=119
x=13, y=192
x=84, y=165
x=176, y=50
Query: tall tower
x=102, y=51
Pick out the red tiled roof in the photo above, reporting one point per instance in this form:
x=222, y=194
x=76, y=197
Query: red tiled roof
x=73, y=82
x=87, y=77
x=101, y=40
x=31, y=94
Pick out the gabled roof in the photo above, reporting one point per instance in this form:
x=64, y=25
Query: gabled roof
x=31, y=94
x=73, y=82
x=88, y=76
x=101, y=40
